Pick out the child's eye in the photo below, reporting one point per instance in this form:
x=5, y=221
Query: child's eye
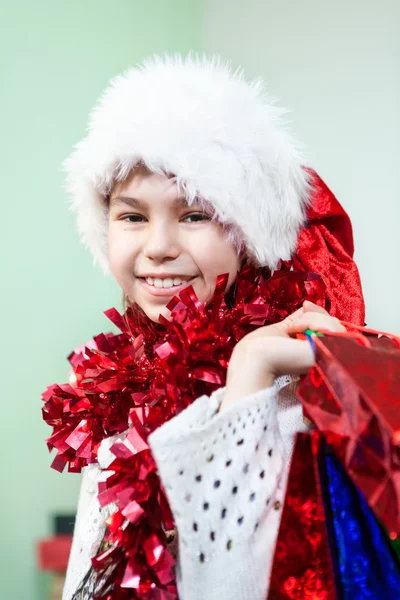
x=196, y=217
x=133, y=218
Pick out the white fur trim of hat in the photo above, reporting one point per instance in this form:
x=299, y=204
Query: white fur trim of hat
x=221, y=137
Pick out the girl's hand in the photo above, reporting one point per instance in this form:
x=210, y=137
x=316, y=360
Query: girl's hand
x=269, y=352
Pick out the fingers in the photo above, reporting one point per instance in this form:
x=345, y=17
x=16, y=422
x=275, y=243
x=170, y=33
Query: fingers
x=296, y=313
x=285, y=324
x=307, y=308
x=317, y=321
x=311, y=307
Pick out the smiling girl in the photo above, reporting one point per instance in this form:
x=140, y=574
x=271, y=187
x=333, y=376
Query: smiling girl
x=187, y=173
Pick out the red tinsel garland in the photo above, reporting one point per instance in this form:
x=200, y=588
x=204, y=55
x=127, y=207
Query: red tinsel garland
x=135, y=382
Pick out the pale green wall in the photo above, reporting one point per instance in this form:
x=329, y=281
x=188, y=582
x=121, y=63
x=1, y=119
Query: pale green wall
x=55, y=58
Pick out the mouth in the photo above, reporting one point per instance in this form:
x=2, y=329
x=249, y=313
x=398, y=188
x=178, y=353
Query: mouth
x=165, y=286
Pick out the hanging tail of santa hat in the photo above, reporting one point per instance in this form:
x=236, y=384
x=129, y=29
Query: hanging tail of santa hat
x=325, y=246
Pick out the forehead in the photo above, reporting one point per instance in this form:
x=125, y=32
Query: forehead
x=144, y=187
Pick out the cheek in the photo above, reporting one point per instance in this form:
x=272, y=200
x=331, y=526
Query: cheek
x=121, y=252
x=216, y=256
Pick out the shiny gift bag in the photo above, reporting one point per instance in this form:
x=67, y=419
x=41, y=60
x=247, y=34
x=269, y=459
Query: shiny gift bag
x=302, y=565
x=330, y=546
x=341, y=511
x=352, y=396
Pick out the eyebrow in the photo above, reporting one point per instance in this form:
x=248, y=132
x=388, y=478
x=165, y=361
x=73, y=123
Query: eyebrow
x=138, y=203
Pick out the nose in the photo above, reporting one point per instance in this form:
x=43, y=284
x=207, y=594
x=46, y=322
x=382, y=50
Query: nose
x=161, y=242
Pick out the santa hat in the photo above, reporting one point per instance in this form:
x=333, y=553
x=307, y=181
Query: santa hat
x=221, y=137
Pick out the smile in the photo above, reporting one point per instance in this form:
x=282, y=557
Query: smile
x=165, y=286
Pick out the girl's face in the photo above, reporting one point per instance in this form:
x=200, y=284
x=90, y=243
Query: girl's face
x=158, y=245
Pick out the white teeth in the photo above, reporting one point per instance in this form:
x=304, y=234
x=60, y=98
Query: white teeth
x=168, y=282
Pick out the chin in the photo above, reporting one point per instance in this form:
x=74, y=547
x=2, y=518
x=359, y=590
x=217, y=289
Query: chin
x=154, y=313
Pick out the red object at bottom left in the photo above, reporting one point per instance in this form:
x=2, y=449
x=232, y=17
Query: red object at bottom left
x=53, y=553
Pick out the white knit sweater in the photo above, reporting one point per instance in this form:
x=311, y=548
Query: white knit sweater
x=225, y=475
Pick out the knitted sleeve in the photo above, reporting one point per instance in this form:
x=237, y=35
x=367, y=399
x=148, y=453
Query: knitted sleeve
x=225, y=475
